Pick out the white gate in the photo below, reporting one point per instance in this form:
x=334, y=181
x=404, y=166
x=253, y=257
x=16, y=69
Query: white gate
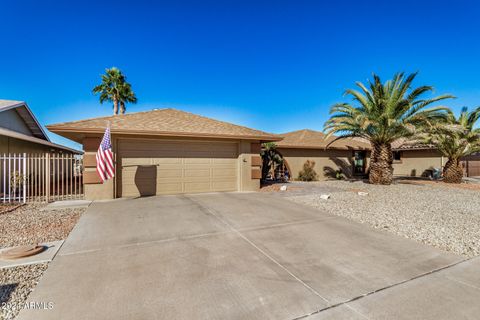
x=41, y=177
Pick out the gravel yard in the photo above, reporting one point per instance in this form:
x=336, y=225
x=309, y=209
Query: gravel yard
x=15, y=286
x=29, y=224
x=438, y=215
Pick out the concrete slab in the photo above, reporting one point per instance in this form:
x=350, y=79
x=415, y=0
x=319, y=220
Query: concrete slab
x=341, y=259
x=431, y=297
x=243, y=211
x=67, y=204
x=45, y=256
x=223, y=256
x=108, y=224
x=343, y=312
x=218, y=277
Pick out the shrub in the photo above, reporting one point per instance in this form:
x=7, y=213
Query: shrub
x=308, y=173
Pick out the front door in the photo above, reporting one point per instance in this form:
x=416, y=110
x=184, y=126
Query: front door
x=359, y=161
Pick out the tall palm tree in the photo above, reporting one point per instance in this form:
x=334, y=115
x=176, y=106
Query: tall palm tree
x=270, y=158
x=456, y=139
x=382, y=114
x=114, y=88
x=126, y=95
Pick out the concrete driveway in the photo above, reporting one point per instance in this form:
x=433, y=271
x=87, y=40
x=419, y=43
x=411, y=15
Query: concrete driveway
x=245, y=256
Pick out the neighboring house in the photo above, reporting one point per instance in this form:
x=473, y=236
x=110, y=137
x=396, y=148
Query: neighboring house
x=169, y=151
x=20, y=131
x=415, y=160
x=350, y=156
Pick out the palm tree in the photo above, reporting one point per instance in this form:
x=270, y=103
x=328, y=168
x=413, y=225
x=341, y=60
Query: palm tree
x=114, y=88
x=126, y=95
x=456, y=139
x=270, y=158
x=384, y=113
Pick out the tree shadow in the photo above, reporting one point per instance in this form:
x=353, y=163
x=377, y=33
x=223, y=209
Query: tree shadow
x=6, y=291
x=146, y=180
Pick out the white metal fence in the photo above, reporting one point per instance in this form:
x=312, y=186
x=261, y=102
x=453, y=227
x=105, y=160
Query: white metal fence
x=41, y=177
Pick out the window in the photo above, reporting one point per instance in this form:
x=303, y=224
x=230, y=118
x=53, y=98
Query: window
x=397, y=156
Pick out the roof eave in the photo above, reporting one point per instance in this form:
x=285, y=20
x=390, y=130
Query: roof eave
x=321, y=147
x=263, y=138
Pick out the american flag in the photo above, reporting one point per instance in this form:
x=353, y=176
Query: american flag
x=105, y=157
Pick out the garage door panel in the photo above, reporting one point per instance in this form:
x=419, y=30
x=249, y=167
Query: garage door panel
x=180, y=167
x=169, y=173
x=193, y=161
x=169, y=187
x=222, y=173
x=199, y=186
x=224, y=186
x=197, y=173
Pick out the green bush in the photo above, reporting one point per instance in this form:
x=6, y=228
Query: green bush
x=308, y=173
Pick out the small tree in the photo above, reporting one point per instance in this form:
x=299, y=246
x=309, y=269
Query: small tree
x=308, y=173
x=270, y=158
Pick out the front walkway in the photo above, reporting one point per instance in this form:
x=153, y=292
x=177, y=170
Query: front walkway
x=245, y=256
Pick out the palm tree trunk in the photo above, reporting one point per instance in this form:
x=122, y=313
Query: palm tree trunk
x=115, y=106
x=453, y=171
x=122, y=107
x=381, y=169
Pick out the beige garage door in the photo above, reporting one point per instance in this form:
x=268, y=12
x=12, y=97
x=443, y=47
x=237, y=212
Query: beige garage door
x=150, y=167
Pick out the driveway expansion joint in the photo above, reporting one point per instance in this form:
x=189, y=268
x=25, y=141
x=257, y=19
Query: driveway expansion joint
x=346, y=303
x=215, y=214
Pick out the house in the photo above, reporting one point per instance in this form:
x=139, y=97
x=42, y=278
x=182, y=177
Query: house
x=169, y=151
x=20, y=131
x=350, y=156
x=415, y=160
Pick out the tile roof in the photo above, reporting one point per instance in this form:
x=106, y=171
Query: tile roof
x=164, y=122
x=405, y=144
x=311, y=139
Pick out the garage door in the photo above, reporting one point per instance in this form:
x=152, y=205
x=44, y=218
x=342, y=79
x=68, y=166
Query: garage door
x=150, y=167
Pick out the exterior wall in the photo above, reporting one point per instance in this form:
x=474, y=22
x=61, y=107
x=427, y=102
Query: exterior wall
x=326, y=161
x=414, y=163
x=95, y=190
x=245, y=180
x=12, y=145
x=12, y=121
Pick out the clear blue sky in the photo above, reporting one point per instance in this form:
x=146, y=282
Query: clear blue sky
x=276, y=66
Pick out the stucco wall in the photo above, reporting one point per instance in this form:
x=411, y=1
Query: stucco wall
x=415, y=162
x=12, y=145
x=326, y=161
x=245, y=181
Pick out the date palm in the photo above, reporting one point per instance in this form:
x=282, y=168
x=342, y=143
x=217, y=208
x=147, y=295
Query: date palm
x=383, y=113
x=456, y=139
x=115, y=89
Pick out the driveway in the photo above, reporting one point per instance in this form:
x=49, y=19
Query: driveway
x=246, y=256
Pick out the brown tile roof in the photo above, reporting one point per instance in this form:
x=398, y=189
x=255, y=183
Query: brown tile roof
x=405, y=144
x=311, y=139
x=164, y=122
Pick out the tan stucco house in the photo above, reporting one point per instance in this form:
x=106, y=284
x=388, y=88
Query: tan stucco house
x=169, y=151
x=20, y=131
x=352, y=156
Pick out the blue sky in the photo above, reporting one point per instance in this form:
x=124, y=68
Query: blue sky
x=271, y=65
